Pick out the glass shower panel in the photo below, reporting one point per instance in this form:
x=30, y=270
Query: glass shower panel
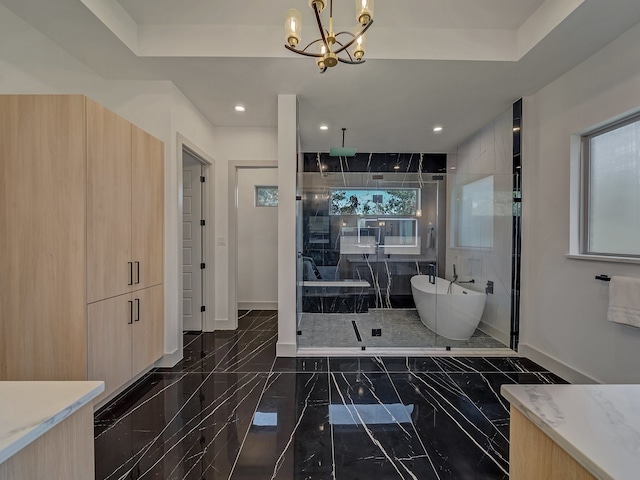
x=477, y=299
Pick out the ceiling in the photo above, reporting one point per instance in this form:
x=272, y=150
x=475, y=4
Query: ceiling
x=454, y=63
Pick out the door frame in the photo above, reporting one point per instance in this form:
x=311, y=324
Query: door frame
x=208, y=247
x=234, y=166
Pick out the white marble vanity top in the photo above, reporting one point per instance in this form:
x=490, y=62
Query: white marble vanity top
x=598, y=425
x=29, y=409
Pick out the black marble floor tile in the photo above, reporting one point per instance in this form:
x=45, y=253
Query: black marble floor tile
x=514, y=364
x=356, y=364
x=231, y=410
x=411, y=364
x=458, y=438
x=290, y=435
x=258, y=320
x=188, y=426
x=300, y=364
x=373, y=430
x=465, y=364
x=230, y=351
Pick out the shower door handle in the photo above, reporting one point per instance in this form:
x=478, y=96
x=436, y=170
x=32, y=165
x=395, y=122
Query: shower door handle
x=431, y=269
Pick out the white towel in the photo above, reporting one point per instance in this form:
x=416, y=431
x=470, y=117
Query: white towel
x=624, y=301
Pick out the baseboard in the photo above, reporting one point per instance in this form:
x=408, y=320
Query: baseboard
x=286, y=349
x=495, y=333
x=257, y=305
x=169, y=360
x=554, y=365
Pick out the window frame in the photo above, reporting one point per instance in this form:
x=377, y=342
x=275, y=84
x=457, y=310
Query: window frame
x=585, y=182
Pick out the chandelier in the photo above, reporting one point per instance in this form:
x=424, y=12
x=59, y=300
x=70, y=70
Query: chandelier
x=331, y=47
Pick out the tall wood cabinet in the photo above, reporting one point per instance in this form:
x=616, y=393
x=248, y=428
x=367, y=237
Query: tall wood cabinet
x=81, y=242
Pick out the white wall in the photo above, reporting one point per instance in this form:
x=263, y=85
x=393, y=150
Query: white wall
x=31, y=63
x=257, y=242
x=233, y=146
x=287, y=209
x=487, y=153
x=563, y=314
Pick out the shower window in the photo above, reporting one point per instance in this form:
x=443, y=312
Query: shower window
x=611, y=189
x=368, y=201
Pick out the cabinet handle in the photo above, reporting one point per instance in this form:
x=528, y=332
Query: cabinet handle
x=130, y=273
x=138, y=309
x=130, y=312
x=138, y=273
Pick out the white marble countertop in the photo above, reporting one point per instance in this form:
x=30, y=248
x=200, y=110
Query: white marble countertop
x=598, y=425
x=29, y=409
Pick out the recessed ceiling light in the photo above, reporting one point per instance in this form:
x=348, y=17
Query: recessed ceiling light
x=240, y=108
x=437, y=129
x=324, y=127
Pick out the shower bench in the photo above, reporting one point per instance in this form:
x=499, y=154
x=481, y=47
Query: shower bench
x=333, y=288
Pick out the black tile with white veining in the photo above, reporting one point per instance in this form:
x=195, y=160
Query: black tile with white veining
x=230, y=409
x=356, y=364
x=300, y=364
x=258, y=320
x=411, y=364
x=465, y=364
x=188, y=426
x=373, y=431
x=230, y=351
x=289, y=437
x=457, y=436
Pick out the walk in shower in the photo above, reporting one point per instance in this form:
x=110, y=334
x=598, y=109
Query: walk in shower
x=370, y=224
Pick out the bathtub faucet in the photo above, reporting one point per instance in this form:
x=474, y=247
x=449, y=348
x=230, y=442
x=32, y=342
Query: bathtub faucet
x=455, y=275
x=470, y=281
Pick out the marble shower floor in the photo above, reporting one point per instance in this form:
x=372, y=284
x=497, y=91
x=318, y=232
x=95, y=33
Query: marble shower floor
x=400, y=328
x=231, y=410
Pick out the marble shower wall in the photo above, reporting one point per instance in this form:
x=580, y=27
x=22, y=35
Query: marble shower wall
x=387, y=271
x=489, y=153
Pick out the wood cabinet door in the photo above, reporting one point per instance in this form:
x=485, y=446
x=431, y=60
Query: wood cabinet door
x=109, y=265
x=148, y=327
x=147, y=209
x=42, y=247
x=110, y=325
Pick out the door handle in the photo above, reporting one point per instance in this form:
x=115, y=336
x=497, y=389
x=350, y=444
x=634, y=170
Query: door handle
x=137, y=273
x=130, y=312
x=138, y=309
x=130, y=273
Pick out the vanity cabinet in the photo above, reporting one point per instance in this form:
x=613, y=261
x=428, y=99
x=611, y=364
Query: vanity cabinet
x=82, y=222
x=125, y=208
x=125, y=336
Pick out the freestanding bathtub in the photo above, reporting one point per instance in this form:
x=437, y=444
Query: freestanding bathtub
x=453, y=313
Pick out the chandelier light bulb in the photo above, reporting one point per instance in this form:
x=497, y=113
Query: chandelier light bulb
x=360, y=46
x=364, y=11
x=293, y=27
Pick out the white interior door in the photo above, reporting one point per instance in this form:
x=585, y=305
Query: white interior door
x=192, y=244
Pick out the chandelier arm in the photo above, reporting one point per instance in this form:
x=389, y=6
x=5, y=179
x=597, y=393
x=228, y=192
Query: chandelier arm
x=351, y=62
x=321, y=28
x=302, y=52
x=345, y=51
x=344, y=47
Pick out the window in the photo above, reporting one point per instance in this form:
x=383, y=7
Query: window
x=473, y=227
x=266, y=196
x=611, y=190
x=374, y=201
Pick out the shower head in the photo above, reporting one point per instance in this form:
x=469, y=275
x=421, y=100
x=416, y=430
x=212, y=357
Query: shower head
x=342, y=151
